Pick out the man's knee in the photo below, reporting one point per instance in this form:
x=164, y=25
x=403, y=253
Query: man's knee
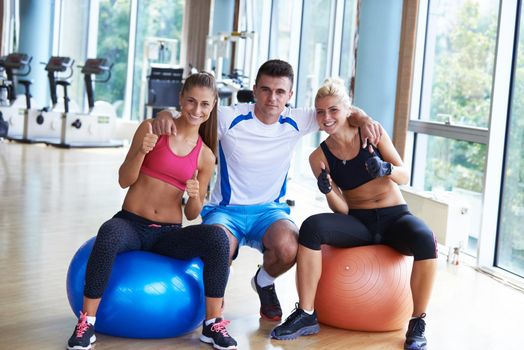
x=283, y=243
x=287, y=253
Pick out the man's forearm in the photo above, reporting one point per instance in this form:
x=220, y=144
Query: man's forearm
x=359, y=118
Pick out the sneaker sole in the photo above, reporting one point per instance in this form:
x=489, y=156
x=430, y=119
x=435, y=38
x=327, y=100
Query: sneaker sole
x=310, y=330
x=274, y=318
x=209, y=340
x=415, y=347
x=78, y=347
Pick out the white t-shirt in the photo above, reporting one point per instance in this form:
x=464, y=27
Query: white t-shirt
x=254, y=157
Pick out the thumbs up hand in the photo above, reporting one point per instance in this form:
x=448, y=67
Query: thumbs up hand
x=376, y=167
x=324, y=180
x=149, y=141
x=193, y=186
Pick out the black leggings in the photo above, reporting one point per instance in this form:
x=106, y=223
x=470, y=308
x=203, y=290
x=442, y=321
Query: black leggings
x=127, y=231
x=393, y=226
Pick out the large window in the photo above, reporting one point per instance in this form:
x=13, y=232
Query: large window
x=326, y=49
x=459, y=61
x=285, y=30
x=113, y=44
x=347, y=53
x=450, y=129
x=154, y=28
x=510, y=248
x=315, y=53
x=157, y=42
x=73, y=43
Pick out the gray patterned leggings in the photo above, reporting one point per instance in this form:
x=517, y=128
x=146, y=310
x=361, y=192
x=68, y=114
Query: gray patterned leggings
x=127, y=231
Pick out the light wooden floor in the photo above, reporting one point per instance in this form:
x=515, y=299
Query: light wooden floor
x=53, y=200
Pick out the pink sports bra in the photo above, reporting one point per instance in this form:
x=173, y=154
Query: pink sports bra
x=163, y=164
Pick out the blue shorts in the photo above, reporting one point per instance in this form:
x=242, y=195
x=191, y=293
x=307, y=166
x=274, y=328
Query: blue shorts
x=248, y=223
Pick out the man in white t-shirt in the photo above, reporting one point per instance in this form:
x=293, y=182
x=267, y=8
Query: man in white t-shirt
x=256, y=143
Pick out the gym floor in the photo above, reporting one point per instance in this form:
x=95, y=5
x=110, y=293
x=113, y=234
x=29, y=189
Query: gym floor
x=53, y=200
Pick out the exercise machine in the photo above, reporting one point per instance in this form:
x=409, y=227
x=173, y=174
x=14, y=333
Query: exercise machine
x=45, y=125
x=14, y=109
x=164, y=87
x=161, y=76
x=239, y=81
x=97, y=127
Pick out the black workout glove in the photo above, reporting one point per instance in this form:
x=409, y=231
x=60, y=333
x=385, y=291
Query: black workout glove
x=377, y=167
x=323, y=182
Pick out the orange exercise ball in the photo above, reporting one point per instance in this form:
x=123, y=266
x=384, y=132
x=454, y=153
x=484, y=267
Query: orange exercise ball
x=364, y=288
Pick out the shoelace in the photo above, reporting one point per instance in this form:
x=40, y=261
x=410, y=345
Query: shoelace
x=419, y=326
x=82, y=325
x=295, y=314
x=220, y=327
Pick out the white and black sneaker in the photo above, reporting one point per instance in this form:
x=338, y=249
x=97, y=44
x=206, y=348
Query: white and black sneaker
x=297, y=324
x=216, y=334
x=83, y=336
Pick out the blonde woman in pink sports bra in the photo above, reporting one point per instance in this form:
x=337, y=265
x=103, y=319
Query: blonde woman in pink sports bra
x=158, y=170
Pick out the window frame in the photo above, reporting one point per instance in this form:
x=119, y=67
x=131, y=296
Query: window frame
x=494, y=136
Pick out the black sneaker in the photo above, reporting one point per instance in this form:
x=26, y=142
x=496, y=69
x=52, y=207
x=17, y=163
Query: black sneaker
x=415, y=339
x=83, y=336
x=297, y=324
x=269, y=304
x=216, y=334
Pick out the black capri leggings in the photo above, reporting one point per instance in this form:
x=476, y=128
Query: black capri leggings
x=393, y=226
x=127, y=231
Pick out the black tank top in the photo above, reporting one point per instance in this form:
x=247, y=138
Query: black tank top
x=349, y=174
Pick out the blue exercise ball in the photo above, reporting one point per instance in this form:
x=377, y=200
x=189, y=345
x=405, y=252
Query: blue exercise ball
x=148, y=295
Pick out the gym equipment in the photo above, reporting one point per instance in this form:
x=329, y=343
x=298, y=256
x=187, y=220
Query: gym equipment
x=237, y=83
x=4, y=101
x=364, y=288
x=4, y=127
x=158, y=53
x=14, y=109
x=164, y=87
x=80, y=130
x=245, y=96
x=98, y=126
x=148, y=295
x=218, y=49
x=44, y=125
